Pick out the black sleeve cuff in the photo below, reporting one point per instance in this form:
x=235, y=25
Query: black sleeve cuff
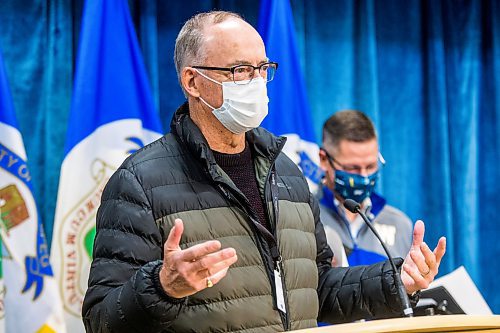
x=414, y=298
x=159, y=288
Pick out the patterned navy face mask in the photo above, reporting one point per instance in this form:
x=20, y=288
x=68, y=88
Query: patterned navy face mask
x=353, y=186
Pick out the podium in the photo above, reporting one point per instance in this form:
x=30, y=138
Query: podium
x=448, y=323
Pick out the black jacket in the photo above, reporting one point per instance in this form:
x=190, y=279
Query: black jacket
x=177, y=176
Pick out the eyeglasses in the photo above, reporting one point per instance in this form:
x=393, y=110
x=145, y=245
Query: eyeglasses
x=243, y=74
x=355, y=168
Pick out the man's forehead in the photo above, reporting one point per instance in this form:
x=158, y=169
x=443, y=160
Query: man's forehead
x=358, y=149
x=234, y=40
x=230, y=23
x=230, y=29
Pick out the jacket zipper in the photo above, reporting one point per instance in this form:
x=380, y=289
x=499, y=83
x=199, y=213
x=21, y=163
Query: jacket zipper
x=275, y=264
x=285, y=317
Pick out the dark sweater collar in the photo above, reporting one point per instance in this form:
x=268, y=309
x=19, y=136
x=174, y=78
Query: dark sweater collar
x=234, y=160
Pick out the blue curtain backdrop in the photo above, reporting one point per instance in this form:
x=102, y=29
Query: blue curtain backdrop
x=427, y=73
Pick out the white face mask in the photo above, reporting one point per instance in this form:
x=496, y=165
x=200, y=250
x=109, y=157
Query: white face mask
x=244, y=106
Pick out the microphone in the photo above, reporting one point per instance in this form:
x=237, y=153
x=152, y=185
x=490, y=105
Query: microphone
x=355, y=207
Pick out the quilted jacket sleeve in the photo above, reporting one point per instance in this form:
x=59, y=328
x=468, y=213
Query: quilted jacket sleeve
x=124, y=293
x=351, y=293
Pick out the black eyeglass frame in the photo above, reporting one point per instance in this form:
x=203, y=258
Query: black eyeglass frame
x=331, y=160
x=232, y=69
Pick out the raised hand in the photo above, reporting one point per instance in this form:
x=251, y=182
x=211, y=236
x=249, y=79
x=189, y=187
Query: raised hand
x=421, y=264
x=188, y=271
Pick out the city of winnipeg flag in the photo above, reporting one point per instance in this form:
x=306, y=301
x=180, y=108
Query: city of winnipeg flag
x=112, y=115
x=29, y=300
x=289, y=111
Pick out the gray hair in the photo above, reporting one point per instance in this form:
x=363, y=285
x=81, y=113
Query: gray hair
x=188, y=45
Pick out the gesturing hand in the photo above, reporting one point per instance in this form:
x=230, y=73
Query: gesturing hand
x=421, y=265
x=188, y=271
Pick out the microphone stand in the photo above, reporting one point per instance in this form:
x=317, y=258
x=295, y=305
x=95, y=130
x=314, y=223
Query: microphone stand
x=355, y=207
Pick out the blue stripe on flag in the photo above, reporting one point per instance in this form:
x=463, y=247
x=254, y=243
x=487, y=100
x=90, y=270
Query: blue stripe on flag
x=7, y=114
x=13, y=163
x=289, y=110
x=309, y=168
x=110, y=82
x=39, y=266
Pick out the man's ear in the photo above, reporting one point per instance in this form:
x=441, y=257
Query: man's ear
x=188, y=82
x=329, y=172
x=323, y=160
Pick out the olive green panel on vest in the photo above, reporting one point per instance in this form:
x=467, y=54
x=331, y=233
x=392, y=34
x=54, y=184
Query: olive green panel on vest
x=298, y=250
x=296, y=230
x=207, y=224
x=245, y=292
x=262, y=166
x=230, y=316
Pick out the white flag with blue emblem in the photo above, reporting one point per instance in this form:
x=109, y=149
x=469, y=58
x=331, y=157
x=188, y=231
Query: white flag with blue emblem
x=112, y=115
x=29, y=299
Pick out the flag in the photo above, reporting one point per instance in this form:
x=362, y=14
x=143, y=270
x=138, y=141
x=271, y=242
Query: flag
x=112, y=115
x=289, y=111
x=29, y=300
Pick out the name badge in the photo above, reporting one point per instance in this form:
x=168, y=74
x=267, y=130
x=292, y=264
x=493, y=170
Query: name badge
x=280, y=298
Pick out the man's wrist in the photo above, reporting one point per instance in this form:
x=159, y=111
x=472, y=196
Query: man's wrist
x=159, y=286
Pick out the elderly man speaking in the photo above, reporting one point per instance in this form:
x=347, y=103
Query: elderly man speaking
x=212, y=228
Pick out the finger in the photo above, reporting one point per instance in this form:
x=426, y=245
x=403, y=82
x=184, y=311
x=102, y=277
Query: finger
x=418, y=233
x=430, y=257
x=211, y=259
x=200, y=250
x=216, y=268
x=219, y=275
x=419, y=261
x=408, y=260
x=418, y=279
x=440, y=250
x=174, y=237
x=214, y=279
